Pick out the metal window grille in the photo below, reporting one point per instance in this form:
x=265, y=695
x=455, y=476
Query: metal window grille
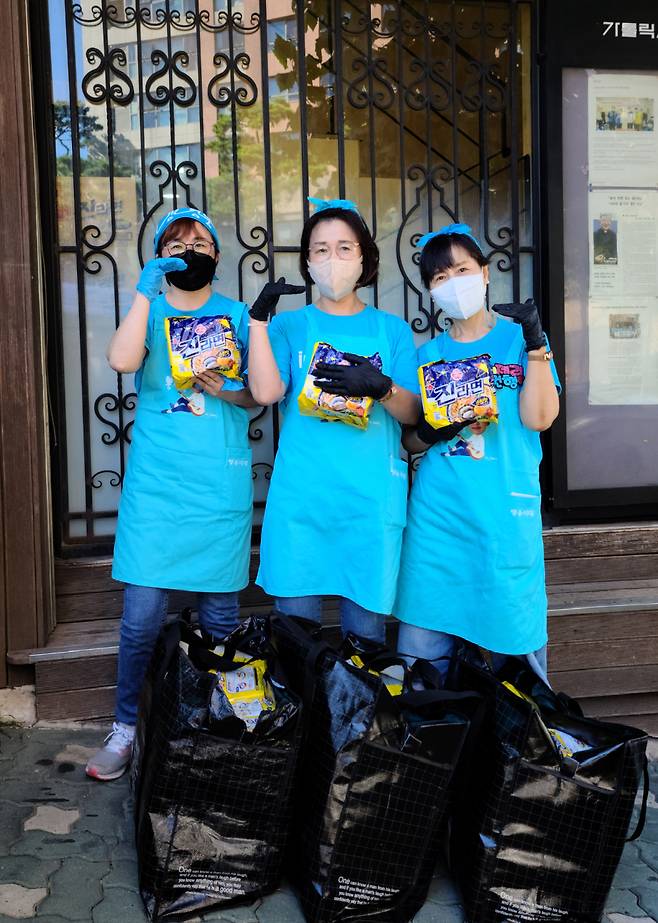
x=423, y=112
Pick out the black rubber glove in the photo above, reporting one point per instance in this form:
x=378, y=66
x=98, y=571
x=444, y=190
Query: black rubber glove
x=528, y=316
x=359, y=379
x=431, y=436
x=268, y=299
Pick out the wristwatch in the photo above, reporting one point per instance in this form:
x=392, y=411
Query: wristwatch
x=544, y=357
x=392, y=391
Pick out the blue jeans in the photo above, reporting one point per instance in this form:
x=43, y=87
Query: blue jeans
x=438, y=647
x=353, y=617
x=144, y=611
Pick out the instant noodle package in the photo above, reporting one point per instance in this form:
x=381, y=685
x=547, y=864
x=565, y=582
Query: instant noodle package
x=458, y=392
x=201, y=344
x=314, y=402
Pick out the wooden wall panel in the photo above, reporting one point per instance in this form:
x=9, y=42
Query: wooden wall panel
x=25, y=537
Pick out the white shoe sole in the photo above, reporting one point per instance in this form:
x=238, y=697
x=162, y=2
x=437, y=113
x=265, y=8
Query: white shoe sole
x=105, y=777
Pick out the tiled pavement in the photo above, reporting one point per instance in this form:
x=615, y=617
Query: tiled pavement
x=66, y=849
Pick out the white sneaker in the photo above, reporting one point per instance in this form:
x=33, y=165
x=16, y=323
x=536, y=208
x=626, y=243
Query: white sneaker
x=112, y=760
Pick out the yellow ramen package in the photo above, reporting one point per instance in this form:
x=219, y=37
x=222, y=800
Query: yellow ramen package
x=201, y=344
x=314, y=402
x=248, y=691
x=458, y=392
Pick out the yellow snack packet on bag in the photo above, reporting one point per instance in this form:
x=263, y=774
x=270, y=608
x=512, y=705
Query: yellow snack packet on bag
x=201, y=344
x=248, y=691
x=458, y=392
x=314, y=402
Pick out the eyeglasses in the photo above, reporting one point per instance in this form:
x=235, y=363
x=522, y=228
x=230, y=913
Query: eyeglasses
x=345, y=250
x=177, y=247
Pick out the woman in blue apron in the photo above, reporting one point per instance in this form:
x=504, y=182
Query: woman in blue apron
x=186, y=504
x=473, y=559
x=337, y=501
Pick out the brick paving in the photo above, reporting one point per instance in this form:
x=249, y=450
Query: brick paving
x=67, y=853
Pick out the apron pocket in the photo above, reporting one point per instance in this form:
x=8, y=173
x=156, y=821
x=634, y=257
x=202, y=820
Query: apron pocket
x=397, y=490
x=237, y=481
x=520, y=531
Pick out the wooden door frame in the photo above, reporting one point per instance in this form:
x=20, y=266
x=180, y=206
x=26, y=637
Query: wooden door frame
x=26, y=546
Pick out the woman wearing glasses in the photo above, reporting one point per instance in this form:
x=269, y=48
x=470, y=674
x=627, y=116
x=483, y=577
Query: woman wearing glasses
x=185, y=511
x=337, y=501
x=473, y=559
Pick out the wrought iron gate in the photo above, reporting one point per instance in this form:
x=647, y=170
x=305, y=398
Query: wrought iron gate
x=421, y=111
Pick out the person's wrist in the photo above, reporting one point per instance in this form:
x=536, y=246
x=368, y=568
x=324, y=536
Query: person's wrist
x=146, y=291
x=426, y=432
x=256, y=322
x=536, y=342
x=390, y=391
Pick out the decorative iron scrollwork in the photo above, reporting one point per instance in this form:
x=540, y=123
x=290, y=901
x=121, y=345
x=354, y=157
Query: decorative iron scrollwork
x=223, y=94
x=371, y=86
x=101, y=92
x=221, y=21
x=96, y=480
x=172, y=93
x=113, y=403
x=423, y=102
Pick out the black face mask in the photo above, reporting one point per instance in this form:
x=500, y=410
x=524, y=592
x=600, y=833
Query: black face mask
x=199, y=273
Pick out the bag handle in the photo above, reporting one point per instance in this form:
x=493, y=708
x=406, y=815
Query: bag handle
x=294, y=627
x=645, y=797
x=432, y=696
x=172, y=637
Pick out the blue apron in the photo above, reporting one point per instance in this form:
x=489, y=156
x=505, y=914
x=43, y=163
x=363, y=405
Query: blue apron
x=186, y=504
x=336, y=506
x=473, y=557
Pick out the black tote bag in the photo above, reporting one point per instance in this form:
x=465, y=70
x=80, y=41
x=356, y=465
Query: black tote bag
x=374, y=782
x=536, y=833
x=213, y=800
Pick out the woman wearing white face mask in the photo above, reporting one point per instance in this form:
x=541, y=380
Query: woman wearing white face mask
x=472, y=561
x=337, y=501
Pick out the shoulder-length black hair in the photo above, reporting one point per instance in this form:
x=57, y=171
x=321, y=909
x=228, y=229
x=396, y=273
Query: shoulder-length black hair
x=369, y=249
x=436, y=255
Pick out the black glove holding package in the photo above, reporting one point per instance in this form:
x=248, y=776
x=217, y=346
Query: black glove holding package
x=358, y=379
x=527, y=315
x=375, y=778
x=216, y=748
x=264, y=305
x=430, y=436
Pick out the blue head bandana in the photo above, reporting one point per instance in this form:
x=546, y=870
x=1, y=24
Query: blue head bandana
x=450, y=229
x=322, y=204
x=179, y=213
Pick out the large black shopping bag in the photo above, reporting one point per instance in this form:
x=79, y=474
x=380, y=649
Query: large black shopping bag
x=375, y=777
x=544, y=806
x=213, y=791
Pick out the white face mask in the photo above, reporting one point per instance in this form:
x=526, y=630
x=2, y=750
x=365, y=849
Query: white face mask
x=336, y=278
x=461, y=296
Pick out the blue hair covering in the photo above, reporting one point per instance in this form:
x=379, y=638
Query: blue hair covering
x=345, y=204
x=450, y=229
x=194, y=214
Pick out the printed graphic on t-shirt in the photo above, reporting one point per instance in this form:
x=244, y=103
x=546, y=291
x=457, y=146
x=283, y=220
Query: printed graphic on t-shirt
x=470, y=442
x=188, y=401
x=195, y=404
x=507, y=375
